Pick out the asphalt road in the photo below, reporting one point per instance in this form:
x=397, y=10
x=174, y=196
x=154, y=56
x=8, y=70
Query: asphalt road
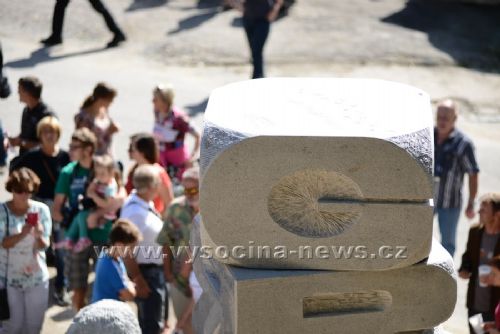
x=198, y=48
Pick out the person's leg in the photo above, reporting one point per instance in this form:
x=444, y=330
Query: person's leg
x=448, y=221
x=57, y=23
x=150, y=310
x=180, y=303
x=257, y=32
x=60, y=281
x=77, y=269
x=110, y=22
x=259, y=40
x=16, y=307
x=36, y=303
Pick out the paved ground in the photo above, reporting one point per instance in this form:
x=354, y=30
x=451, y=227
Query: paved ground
x=429, y=44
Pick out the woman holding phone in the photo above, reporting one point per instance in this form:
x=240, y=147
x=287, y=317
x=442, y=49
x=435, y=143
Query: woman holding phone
x=25, y=227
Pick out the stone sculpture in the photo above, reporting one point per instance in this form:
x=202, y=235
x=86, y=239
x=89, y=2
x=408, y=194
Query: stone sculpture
x=294, y=170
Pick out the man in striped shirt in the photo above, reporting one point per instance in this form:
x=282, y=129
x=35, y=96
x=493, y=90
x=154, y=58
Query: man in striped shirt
x=454, y=157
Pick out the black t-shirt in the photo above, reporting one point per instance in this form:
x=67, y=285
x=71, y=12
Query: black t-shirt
x=41, y=164
x=257, y=9
x=30, y=120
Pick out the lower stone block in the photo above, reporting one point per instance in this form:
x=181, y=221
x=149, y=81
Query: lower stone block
x=409, y=299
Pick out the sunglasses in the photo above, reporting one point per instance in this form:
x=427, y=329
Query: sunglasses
x=191, y=191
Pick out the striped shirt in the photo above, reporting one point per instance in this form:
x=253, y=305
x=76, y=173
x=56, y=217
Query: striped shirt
x=452, y=159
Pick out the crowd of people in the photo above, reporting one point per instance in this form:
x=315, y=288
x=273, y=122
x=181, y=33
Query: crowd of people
x=78, y=210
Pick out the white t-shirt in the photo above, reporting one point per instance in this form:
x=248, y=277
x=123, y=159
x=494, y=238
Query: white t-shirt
x=143, y=215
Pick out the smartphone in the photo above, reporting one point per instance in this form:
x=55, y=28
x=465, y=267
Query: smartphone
x=32, y=218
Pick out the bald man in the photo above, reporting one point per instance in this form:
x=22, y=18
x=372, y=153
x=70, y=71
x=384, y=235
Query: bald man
x=454, y=157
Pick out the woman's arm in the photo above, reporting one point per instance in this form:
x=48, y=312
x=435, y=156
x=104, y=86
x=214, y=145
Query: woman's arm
x=273, y=14
x=12, y=240
x=41, y=241
x=196, y=148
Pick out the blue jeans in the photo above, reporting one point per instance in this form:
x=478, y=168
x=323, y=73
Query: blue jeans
x=150, y=310
x=448, y=221
x=257, y=31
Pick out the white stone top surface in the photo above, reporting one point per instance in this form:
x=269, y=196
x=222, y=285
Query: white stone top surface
x=319, y=107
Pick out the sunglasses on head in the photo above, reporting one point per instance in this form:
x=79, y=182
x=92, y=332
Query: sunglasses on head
x=191, y=191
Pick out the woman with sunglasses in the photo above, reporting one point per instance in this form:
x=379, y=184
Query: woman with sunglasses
x=25, y=227
x=143, y=149
x=170, y=129
x=176, y=233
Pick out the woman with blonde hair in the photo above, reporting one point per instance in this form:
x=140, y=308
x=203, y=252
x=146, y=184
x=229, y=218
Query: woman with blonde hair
x=25, y=227
x=170, y=128
x=47, y=161
x=94, y=115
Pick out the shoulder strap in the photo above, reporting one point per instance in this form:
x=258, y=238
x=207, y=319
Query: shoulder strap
x=47, y=168
x=7, y=233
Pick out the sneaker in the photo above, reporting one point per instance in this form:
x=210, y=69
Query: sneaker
x=81, y=245
x=117, y=39
x=65, y=244
x=61, y=298
x=51, y=41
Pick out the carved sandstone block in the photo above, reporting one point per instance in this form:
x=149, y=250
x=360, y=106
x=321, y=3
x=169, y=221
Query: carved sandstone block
x=318, y=162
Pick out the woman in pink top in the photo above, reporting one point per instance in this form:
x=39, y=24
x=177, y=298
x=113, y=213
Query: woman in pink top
x=94, y=115
x=144, y=150
x=170, y=128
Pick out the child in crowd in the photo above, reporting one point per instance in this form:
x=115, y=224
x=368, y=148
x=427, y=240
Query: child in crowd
x=111, y=280
x=101, y=190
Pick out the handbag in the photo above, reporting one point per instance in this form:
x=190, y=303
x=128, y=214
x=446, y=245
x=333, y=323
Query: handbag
x=4, y=302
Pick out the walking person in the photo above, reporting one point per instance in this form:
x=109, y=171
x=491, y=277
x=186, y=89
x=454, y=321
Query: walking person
x=257, y=18
x=454, y=156
x=58, y=20
x=25, y=227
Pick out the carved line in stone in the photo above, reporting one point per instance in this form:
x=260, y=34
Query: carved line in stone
x=332, y=304
x=293, y=203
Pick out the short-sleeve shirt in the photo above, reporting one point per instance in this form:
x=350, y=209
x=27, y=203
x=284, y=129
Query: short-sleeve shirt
x=176, y=231
x=99, y=126
x=173, y=128
x=27, y=266
x=72, y=181
x=47, y=168
x=110, y=278
x=257, y=9
x=147, y=220
x=29, y=122
x=452, y=159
